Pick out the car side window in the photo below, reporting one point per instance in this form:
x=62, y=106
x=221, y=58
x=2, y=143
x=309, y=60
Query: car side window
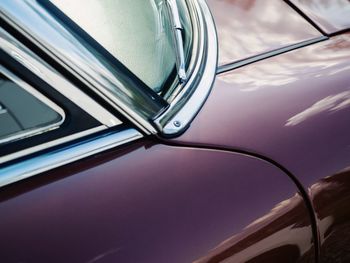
x=41, y=109
x=24, y=112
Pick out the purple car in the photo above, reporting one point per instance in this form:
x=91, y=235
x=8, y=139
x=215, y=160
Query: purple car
x=174, y=131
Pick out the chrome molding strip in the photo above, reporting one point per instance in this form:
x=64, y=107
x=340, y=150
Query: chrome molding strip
x=184, y=102
x=27, y=151
x=193, y=54
x=34, y=131
x=45, y=31
x=2, y=109
x=193, y=94
x=246, y=61
x=39, y=67
x=51, y=160
x=178, y=40
x=195, y=57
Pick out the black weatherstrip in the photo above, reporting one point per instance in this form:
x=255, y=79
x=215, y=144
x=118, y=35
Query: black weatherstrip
x=250, y=60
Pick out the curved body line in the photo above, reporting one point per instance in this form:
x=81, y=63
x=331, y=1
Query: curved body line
x=300, y=187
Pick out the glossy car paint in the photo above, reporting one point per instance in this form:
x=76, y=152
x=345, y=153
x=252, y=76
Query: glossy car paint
x=295, y=109
x=250, y=27
x=330, y=15
x=155, y=203
x=333, y=217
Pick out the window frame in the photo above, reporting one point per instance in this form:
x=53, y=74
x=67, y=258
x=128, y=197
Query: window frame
x=40, y=59
x=83, y=115
x=148, y=111
x=44, y=152
x=84, y=58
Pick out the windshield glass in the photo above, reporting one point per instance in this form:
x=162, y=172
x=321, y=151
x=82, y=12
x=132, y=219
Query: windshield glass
x=138, y=33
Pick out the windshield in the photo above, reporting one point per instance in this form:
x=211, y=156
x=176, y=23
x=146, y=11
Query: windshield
x=138, y=33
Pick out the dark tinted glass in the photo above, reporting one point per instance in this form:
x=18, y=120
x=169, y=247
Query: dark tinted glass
x=24, y=112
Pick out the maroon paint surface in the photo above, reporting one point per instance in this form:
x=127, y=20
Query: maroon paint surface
x=156, y=203
x=250, y=27
x=330, y=15
x=295, y=109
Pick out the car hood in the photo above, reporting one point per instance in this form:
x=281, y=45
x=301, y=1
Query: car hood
x=248, y=28
x=293, y=108
x=329, y=16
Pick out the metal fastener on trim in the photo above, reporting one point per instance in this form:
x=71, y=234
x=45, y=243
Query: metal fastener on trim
x=177, y=124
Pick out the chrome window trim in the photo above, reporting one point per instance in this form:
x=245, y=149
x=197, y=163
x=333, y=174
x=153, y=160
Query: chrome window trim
x=34, y=131
x=42, y=163
x=184, y=101
x=80, y=62
x=178, y=44
x=58, y=82
x=47, y=73
x=47, y=145
x=190, y=97
x=194, y=60
x=2, y=109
